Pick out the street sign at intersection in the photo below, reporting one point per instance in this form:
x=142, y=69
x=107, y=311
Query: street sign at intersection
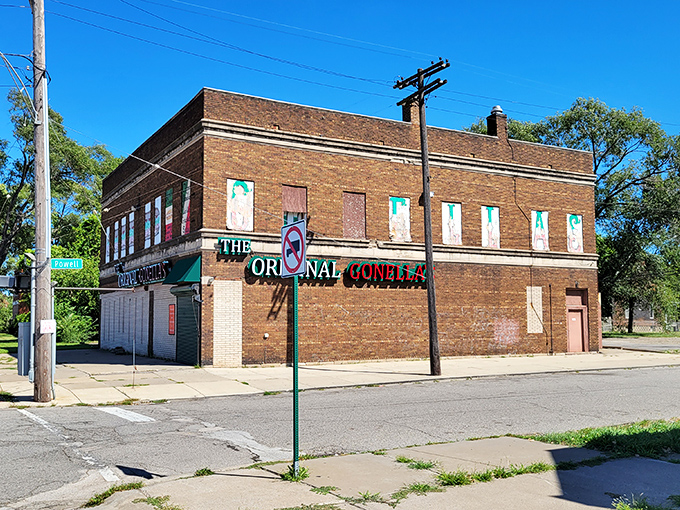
x=293, y=249
x=66, y=263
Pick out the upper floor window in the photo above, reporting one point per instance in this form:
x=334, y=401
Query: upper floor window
x=452, y=230
x=539, y=230
x=491, y=227
x=294, y=203
x=353, y=215
x=240, y=205
x=400, y=219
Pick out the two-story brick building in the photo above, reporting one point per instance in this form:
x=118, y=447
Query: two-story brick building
x=192, y=222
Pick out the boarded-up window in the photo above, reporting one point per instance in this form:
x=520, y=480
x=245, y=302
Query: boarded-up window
x=294, y=199
x=534, y=309
x=354, y=215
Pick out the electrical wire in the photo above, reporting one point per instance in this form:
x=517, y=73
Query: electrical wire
x=214, y=59
x=211, y=40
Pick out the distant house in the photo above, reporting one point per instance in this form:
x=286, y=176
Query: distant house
x=645, y=320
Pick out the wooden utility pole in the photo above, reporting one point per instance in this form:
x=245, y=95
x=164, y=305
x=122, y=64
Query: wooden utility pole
x=42, y=389
x=419, y=96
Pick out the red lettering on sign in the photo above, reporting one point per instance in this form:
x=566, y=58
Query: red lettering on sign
x=389, y=273
x=379, y=270
x=399, y=273
x=353, y=270
x=171, y=319
x=363, y=271
x=408, y=273
x=420, y=276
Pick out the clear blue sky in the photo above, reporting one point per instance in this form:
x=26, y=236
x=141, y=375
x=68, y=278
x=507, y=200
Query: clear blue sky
x=533, y=58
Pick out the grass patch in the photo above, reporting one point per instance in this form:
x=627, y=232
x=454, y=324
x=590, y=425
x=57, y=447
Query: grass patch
x=204, y=472
x=9, y=345
x=460, y=477
x=415, y=463
x=648, y=438
x=325, y=489
x=6, y=396
x=379, y=452
x=126, y=402
x=290, y=475
x=160, y=401
x=133, y=385
x=417, y=488
x=325, y=506
x=158, y=502
x=616, y=334
x=639, y=503
x=266, y=393
x=454, y=478
x=98, y=499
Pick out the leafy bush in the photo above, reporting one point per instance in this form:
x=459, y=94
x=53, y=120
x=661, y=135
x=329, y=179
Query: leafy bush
x=73, y=328
x=5, y=314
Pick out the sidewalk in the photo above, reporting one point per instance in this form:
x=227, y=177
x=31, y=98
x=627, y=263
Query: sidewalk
x=373, y=481
x=362, y=480
x=92, y=376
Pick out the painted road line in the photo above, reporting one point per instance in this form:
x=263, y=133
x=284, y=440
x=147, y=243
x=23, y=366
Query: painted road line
x=126, y=415
x=104, y=470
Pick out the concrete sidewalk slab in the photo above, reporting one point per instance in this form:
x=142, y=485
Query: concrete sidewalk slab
x=233, y=490
x=501, y=451
x=366, y=472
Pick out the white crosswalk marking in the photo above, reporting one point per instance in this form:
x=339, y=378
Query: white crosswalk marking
x=125, y=414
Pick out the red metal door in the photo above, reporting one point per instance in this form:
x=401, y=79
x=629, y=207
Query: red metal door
x=574, y=330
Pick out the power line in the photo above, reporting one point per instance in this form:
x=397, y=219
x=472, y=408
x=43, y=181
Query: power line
x=211, y=40
x=214, y=59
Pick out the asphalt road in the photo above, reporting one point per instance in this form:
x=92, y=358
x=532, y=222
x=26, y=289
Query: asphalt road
x=48, y=448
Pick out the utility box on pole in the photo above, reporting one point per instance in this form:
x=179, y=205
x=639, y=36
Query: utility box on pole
x=24, y=349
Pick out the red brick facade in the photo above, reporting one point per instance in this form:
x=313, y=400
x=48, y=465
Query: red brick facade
x=481, y=292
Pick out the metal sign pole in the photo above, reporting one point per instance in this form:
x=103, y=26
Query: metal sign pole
x=296, y=421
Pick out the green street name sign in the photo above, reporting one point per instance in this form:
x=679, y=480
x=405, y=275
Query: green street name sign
x=67, y=263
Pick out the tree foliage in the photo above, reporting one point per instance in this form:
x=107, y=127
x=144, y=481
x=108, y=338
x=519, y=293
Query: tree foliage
x=77, y=172
x=517, y=130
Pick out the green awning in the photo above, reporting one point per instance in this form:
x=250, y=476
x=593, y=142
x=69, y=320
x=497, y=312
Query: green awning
x=185, y=271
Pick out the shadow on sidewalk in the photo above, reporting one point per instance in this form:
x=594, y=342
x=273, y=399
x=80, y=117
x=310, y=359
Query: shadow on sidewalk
x=631, y=475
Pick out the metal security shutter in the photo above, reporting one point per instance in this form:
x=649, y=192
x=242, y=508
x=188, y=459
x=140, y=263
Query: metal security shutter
x=188, y=312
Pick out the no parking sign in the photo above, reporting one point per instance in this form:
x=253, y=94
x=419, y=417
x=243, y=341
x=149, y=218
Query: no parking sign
x=294, y=249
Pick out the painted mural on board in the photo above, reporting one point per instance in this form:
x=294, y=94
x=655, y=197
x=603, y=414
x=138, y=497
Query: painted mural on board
x=186, y=207
x=452, y=232
x=240, y=198
x=157, y=221
x=168, y=214
x=491, y=227
x=575, y=233
x=123, y=236
x=400, y=219
x=539, y=230
x=147, y=225
x=131, y=233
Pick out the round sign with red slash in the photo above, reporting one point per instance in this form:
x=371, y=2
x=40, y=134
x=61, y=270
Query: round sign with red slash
x=293, y=249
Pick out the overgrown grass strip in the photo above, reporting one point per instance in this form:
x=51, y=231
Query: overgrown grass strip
x=98, y=499
x=648, y=438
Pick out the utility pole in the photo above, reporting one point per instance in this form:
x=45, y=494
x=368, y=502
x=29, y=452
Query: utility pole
x=42, y=389
x=419, y=96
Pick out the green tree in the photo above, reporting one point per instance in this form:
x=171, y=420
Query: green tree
x=628, y=148
x=517, y=129
x=76, y=177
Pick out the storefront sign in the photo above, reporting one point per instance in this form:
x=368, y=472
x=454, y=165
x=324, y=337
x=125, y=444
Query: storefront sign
x=386, y=271
x=144, y=275
x=317, y=269
x=171, y=319
x=229, y=246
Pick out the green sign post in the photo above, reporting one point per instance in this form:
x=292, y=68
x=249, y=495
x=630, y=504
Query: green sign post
x=66, y=263
x=294, y=263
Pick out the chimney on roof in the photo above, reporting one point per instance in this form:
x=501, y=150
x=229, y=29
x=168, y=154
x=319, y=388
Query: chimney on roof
x=410, y=113
x=497, y=123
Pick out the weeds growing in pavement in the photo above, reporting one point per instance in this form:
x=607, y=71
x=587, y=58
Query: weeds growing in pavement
x=290, y=475
x=204, y=472
x=98, y=499
x=325, y=489
x=158, y=502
